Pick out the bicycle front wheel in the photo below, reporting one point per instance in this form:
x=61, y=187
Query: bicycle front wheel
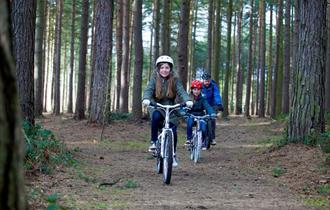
x=198, y=146
x=159, y=164
x=168, y=158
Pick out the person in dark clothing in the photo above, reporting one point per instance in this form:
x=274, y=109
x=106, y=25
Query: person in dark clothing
x=211, y=92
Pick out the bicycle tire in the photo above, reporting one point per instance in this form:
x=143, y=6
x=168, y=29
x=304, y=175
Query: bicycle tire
x=198, y=146
x=208, y=134
x=168, y=158
x=192, y=147
x=159, y=164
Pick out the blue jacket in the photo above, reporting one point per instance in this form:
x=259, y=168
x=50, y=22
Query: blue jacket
x=212, y=94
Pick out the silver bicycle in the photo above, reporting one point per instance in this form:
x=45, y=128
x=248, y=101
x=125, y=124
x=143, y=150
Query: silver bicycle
x=197, y=140
x=164, y=151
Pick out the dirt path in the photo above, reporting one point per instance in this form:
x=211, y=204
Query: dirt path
x=118, y=173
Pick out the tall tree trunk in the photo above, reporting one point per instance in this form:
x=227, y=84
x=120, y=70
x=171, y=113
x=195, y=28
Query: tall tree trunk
x=228, y=67
x=327, y=79
x=239, y=82
x=23, y=16
x=209, y=35
x=270, y=60
x=156, y=24
x=12, y=193
x=81, y=91
x=103, y=46
x=261, y=111
x=92, y=63
x=307, y=113
x=286, y=79
x=250, y=60
x=137, y=106
x=119, y=48
x=277, y=74
x=182, y=66
x=217, y=43
x=73, y=16
x=124, y=84
x=41, y=6
x=166, y=30
x=57, y=57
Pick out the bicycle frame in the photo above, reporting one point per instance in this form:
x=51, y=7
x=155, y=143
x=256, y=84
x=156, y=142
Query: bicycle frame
x=163, y=153
x=196, y=144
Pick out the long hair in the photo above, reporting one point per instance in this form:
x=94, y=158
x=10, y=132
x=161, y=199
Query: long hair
x=171, y=92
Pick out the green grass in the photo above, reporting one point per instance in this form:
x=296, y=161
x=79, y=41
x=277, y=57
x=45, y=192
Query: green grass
x=272, y=141
x=318, y=201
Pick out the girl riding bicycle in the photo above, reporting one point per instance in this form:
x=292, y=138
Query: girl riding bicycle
x=164, y=86
x=200, y=106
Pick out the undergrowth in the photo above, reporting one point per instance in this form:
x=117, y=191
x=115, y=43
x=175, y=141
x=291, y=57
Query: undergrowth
x=43, y=151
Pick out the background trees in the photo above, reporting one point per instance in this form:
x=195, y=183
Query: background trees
x=233, y=40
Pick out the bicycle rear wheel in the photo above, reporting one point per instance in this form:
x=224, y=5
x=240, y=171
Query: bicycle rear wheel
x=168, y=158
x=208, y=134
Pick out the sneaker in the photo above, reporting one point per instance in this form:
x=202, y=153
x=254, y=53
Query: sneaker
x=152, y=147
x=187, y=142
x=175, y=162
x=204, y=148
x=213, y=142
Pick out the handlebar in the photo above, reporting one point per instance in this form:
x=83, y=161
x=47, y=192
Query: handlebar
x=155, y=105
x=201, y=117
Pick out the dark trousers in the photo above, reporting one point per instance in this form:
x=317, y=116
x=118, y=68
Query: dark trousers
x=156, y=120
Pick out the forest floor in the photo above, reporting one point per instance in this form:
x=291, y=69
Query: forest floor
x=243, y=171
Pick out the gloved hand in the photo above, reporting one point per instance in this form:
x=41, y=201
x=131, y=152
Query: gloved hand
x=220, y=107
x=189, y=104
x=146, y=102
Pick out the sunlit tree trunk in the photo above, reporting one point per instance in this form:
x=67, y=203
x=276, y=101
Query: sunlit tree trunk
x=12, y=193
x=156, y=23
x=23, y=16
x=307, y=113
x=81, y=90
x=217, y=43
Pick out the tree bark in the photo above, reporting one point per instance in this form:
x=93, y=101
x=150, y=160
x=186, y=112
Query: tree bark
x=103, y=46
x=182, y=66
x=250, y=60
x=166, y=30
x=73, y=16
x=12, y=193
x=262, y=38
x=57, y=57
x=81, y=91
x=23, y=16
x=307, y=113
x=137, y=86
x=124, y=84
x=287, y=59
x=39, y=58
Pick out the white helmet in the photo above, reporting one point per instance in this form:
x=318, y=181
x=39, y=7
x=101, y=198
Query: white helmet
x=165, y=59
